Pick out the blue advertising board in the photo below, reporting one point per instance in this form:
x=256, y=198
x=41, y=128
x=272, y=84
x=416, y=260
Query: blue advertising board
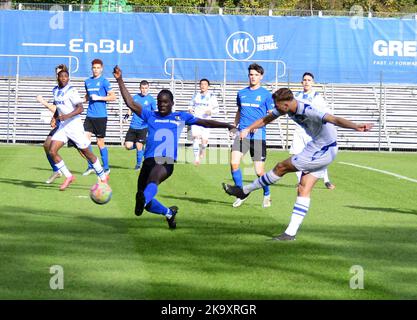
x=335, y=49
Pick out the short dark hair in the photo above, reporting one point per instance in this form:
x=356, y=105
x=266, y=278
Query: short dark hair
x=256, y=67
x=62, y=67
x=66, y=71
x=97, y=61
x=166, y=92
x=144, y=83
x=283, y=94
x=206, y=80
x=308, y=74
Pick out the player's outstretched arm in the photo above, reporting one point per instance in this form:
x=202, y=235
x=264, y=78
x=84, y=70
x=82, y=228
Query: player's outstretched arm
x=345, y=123
x=258, y=124
x=134, y=106
x=46, y=104
x=207, y=123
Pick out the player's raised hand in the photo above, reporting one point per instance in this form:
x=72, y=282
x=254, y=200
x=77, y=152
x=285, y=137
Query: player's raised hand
x=40, y=99
x=125, y=118
x=117, y=72
x=364, y=127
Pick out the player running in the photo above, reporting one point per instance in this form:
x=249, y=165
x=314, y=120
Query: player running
x=164, y=129
x=69, y=107
x=253, y=103
x=99, y=92
x=136, y=135
x=203, y=105
x=312, y=161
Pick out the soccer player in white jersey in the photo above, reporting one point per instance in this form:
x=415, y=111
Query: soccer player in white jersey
x=51, y=107
x=301, y=138
x=312, y=161
x=203, y=105
x=69, y=106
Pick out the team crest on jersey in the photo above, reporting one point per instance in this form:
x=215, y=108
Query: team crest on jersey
x=146, y=103
x=258, y=98
x=178, y=118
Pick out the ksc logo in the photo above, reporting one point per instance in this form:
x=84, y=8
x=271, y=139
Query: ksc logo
x=240, y=46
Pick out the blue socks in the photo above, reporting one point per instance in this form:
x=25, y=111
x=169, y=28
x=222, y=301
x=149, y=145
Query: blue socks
x=156, y=207
x=51, y=162
x=237, y=177
x=150, y=192
x=105, y=158
x=266, y=190
x=139, y=156
x=151, y=204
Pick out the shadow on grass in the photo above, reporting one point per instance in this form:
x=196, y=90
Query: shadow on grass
x=39, y=184
x=388, y=210
x=195, y=200
x=207, y=257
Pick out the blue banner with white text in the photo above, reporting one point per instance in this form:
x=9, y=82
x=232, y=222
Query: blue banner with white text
x=217, y=47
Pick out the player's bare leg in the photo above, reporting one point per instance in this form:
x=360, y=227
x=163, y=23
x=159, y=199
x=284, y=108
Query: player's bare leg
x=96, y=164
x=300, y=209
x=60, y=164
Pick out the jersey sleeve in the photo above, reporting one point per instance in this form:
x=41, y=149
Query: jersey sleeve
x=275, y=113
x=188, y=118
x=320, y=103
x=191, y=105
x=74, y=97
x=145, y=114
x=269, y=103
x=238, y=100
x=154, y=107
x=314, y=113
x=107, y=85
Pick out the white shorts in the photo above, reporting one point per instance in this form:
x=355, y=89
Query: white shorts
x=198, y=131
x=314, y=161
x=73, y=130
x=299, y=141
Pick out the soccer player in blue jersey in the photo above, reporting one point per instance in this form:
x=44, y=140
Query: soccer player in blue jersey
x=253, y=103
x=136, y=135
x=312, y=161
x=98, y=93
x=164, y=129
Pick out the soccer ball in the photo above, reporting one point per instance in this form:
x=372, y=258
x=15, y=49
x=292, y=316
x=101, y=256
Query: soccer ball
x=100, y=193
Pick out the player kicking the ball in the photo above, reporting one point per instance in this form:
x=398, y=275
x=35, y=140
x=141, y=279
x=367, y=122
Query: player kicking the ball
x=312, y=161
x=164, y=129
x=69, y=107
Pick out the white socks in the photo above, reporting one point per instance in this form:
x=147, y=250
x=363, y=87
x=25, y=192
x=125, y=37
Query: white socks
x=63, y=168
x=196, y=149
x=300, y=210
x=99, y=170
x=299, y=174
x=326, y=177
x=265, y=180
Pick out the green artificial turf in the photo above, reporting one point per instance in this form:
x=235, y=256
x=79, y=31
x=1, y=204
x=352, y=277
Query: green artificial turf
x=217, y=251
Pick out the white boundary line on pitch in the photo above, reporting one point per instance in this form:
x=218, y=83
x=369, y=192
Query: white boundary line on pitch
x=380, y=171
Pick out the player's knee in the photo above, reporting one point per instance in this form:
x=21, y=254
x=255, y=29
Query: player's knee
x=234, y=166
x=303, y=191
x=128, y=145
x=280, y=169
x=52, y=152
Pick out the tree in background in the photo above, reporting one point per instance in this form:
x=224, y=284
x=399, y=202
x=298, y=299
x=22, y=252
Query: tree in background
x=345, y=5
